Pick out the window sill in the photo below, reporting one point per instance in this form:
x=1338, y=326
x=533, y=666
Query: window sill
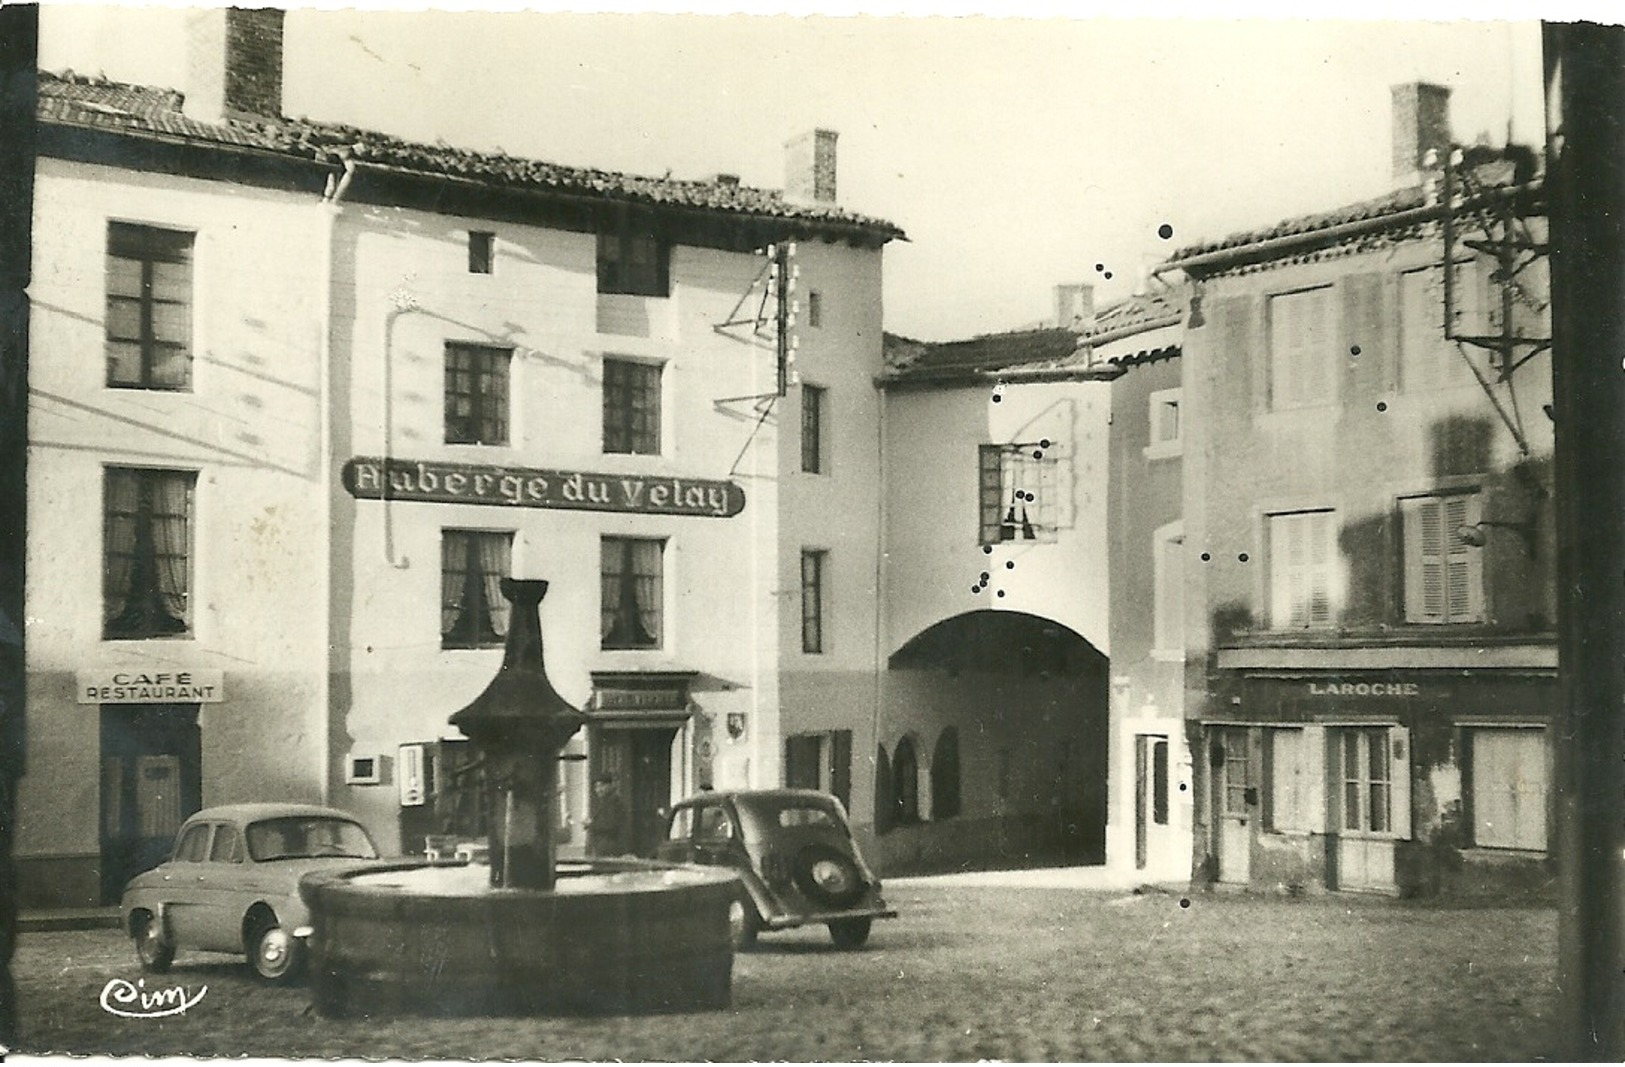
x=1493, y=854
x=1164, y=450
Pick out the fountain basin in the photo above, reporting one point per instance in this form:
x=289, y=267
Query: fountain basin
x=612, y=937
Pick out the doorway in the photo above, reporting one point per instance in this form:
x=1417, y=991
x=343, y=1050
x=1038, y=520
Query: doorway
x=1235, y=800
x=1150, y=796
x=631, y=788
x=152, y=780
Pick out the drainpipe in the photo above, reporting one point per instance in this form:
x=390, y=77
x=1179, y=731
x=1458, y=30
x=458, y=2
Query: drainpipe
x=329, y=209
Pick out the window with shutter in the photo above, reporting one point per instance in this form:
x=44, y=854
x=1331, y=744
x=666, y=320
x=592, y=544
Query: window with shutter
x=1509, y=788
x=1300, y=348
x=1443, y=573
x=1303, y=592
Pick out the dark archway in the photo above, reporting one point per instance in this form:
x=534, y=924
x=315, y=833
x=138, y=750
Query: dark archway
x=945, y=774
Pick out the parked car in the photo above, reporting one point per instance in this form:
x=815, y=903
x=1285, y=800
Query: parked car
x=795, y=857
x=232, y=884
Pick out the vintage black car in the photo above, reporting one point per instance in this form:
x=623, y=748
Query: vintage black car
x=794, y=855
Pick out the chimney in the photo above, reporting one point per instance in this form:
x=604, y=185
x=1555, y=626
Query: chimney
x=1421, y=122
x=1074, y=306
x=809, y=167
x=234, y=64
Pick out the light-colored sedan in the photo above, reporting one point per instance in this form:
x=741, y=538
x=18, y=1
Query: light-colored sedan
x=232, y=884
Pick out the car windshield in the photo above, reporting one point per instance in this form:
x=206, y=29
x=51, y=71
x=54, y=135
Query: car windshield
x=303, y=836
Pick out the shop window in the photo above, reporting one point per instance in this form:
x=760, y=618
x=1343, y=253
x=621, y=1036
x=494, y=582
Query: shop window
x=1165, y=424
x=814, y=568
x=1507, y=772
x=473, y=611
x=1444, y=576
x=149, y=307
x=1302, y=561
x=477, y=394
x=147, y=553
x=1361, y=762
x=1019, y=493
x=632, y=259
x=1286, y=779
x=631, y=592
x=905, y=789
x=1168, y=592
x=481, y=251
x=1301, y=348
x=631, y=407
x=945, y=775
x=813, y=400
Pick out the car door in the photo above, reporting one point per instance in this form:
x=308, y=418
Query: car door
x=223, y=892
x=185, y=879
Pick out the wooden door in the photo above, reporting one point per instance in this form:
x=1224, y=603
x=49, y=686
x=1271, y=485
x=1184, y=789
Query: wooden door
x=151, y=782
x=1235, y=801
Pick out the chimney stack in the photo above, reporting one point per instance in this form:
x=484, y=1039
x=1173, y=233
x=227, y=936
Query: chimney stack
x=809, y=167
x=1074, y=306
x=234, y=64
x=1421, y=122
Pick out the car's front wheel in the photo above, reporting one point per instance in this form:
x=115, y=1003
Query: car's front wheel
x=155, y=953
x=849, y=933
x=743, y=923
x=273, y=952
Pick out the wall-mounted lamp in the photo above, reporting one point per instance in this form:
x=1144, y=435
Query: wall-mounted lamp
x=1472, y=534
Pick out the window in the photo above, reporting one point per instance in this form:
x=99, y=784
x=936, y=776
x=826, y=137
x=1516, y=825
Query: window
x=1165, y=430
x=815, y=309
x=1302, y=558
x=1236, y=789
x=1361, y=760
x=1444, y=576
x=1301, y=347
x=228, y=845
x=473, y=611
x=812, y=429
x=147, y=553
x=814, y=563
x=1168, y=591
x=631, y=259
x=1426, y=359
x=1286, y=756
x=945, y=775
x=149, y=307
x=477, y=394
x=631, y=407
x=481, y=251
x=630, y=588
x=194, y=847
x=905, y=790
x=1507, y=787
x=1159, y=782
x=1018, y=494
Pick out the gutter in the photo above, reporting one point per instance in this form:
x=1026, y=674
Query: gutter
x=330, y=207
x=1242, y=255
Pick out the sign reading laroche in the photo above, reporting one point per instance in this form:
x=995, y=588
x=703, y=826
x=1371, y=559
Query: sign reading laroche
x=369, y=478
x=147, y=686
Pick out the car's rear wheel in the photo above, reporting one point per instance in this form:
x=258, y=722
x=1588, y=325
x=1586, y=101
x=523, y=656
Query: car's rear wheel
x=828, y=876
x=155, y=953
x=849, y=933
x=273, y=952
x=743, y=923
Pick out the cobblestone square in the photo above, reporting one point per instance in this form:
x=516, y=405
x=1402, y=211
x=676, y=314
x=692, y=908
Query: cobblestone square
x=966, y=973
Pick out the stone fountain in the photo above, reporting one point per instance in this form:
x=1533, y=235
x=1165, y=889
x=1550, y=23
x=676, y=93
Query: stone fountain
x=525, y=935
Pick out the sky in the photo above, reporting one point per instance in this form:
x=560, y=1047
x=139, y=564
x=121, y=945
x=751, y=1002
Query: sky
x=1017, y=153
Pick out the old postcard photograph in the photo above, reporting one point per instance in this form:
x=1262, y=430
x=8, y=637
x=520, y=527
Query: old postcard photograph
x=815, y=536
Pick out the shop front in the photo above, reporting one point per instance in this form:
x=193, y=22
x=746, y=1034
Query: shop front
x=1398, y=781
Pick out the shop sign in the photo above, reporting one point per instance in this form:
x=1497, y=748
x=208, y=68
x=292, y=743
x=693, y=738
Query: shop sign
x=145, y=686
x=1365, y=689
x=641, y=699
x=370, y=478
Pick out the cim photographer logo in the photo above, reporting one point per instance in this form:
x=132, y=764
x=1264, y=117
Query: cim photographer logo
x=136, y=1001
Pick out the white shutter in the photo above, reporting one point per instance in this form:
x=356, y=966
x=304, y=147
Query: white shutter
x=1399, y=776
x=1425, y=550
x=1319, y=533
x=1316, y=759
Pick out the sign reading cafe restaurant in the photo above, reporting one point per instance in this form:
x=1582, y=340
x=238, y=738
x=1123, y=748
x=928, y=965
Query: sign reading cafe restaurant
x=369, y=478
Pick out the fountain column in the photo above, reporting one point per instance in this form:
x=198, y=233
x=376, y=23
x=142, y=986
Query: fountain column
x=518, y=726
